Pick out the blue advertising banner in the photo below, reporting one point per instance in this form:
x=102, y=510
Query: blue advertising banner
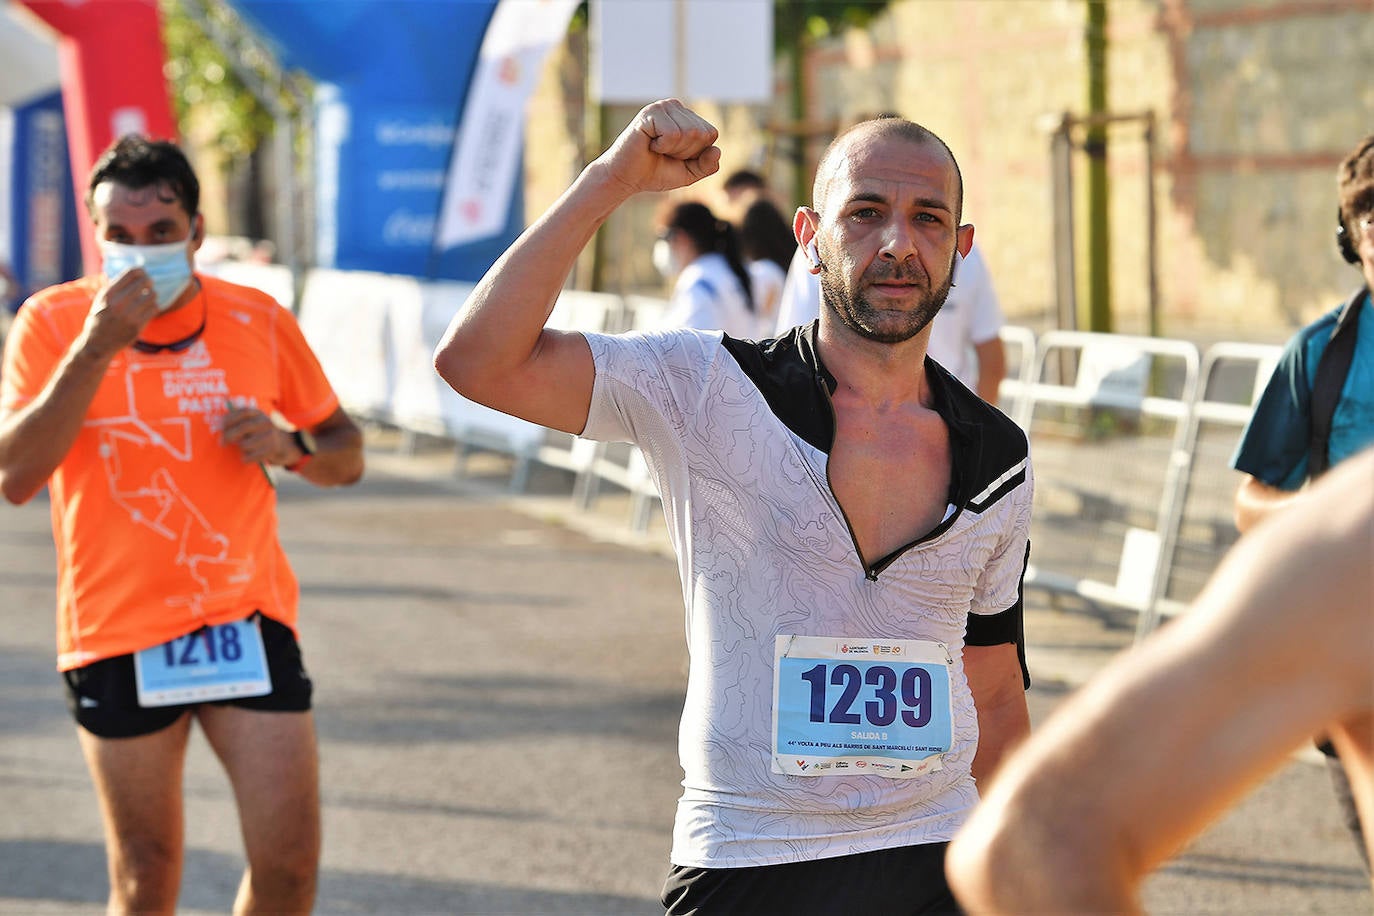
x=393, y=76
x=45, y=243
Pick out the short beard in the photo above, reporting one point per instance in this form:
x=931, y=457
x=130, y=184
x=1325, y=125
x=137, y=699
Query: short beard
x=856, y=313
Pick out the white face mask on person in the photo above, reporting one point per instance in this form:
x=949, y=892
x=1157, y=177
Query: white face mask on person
x=663, y=259
x=167, y=266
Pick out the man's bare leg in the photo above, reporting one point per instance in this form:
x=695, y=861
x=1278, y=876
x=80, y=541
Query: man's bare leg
x=138, y=781
x=273, y=764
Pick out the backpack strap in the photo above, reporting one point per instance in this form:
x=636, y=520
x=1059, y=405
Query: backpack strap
x=1328, y=381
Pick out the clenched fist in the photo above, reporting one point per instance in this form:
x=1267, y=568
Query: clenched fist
x=666, y=146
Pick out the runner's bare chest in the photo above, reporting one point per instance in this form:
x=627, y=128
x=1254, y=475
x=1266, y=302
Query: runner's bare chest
x=890, y=471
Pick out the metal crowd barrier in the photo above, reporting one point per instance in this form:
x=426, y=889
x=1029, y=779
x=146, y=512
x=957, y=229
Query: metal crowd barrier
x=1019, y=345
x=1107, y=418
x=375, y=336
x=1233, y=375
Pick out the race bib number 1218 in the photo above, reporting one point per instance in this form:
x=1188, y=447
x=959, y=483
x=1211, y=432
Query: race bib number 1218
x=213, y=663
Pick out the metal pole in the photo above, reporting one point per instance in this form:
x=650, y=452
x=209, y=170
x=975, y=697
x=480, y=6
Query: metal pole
x=1065, y=266
x=306, y=202
x=801, y=176
x=680, y=50
x=289, y=252
x=1095, y=145
x=1152, y=242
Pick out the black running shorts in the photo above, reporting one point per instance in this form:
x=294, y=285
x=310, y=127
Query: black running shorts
x=103, y=696
x=908, y=879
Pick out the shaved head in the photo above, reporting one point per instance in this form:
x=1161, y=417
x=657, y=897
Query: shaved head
x=878, y=130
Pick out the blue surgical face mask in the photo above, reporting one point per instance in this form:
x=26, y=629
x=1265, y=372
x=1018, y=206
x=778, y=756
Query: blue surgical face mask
x=167, y=266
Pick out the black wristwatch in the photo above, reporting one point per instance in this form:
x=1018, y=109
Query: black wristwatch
x=306, y=443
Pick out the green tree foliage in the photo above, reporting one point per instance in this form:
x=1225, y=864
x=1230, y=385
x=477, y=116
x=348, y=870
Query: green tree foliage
x=797, y=25
x=202, y=80
x=798, y=22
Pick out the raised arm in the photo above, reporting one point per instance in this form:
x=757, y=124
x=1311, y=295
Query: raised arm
x=496, y=350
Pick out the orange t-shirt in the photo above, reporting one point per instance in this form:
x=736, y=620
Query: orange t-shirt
x=160, y=527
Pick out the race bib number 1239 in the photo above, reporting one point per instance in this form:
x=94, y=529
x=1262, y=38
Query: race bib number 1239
x=874, y=706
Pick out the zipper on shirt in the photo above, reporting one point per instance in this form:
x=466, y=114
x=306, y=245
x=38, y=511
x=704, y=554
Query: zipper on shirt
x=870, y=572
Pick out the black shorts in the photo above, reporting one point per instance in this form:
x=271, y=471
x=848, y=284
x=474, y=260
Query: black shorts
x=907, y=879
x=103, y=696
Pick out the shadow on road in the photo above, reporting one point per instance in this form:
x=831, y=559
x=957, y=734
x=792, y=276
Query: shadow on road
x=484, y=708
x=212, y=880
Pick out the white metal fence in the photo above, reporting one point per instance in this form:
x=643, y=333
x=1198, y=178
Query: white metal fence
x=1233, y=375
x=1107, y=416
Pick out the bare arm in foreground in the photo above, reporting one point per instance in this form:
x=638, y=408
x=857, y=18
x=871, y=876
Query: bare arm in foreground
x=1256, y=501
x=1279, y=646
x=496, y=350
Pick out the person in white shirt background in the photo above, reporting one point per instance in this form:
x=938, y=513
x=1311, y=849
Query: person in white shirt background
x=767, y=243
x=712, y=290
x=964, y=337
x=740, y=189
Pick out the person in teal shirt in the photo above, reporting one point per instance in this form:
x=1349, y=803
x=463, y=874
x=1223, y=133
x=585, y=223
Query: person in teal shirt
x=1275, y=452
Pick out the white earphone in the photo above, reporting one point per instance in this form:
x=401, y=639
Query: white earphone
x=954, y=270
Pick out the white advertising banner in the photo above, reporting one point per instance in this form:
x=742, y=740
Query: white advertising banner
x=375, y=336
x=716, y=50
x=486, y=152
x=30, y=55
x=6, y=196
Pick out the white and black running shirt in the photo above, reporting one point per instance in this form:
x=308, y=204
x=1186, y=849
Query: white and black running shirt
x=737, y=436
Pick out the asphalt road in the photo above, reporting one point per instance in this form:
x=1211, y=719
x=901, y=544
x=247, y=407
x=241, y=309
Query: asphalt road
x=497, y=694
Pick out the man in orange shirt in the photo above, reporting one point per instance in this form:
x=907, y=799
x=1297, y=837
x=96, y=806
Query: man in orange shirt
x=143, y=398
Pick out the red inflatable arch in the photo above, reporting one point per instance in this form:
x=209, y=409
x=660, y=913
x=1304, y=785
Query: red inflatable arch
x=111, y=57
